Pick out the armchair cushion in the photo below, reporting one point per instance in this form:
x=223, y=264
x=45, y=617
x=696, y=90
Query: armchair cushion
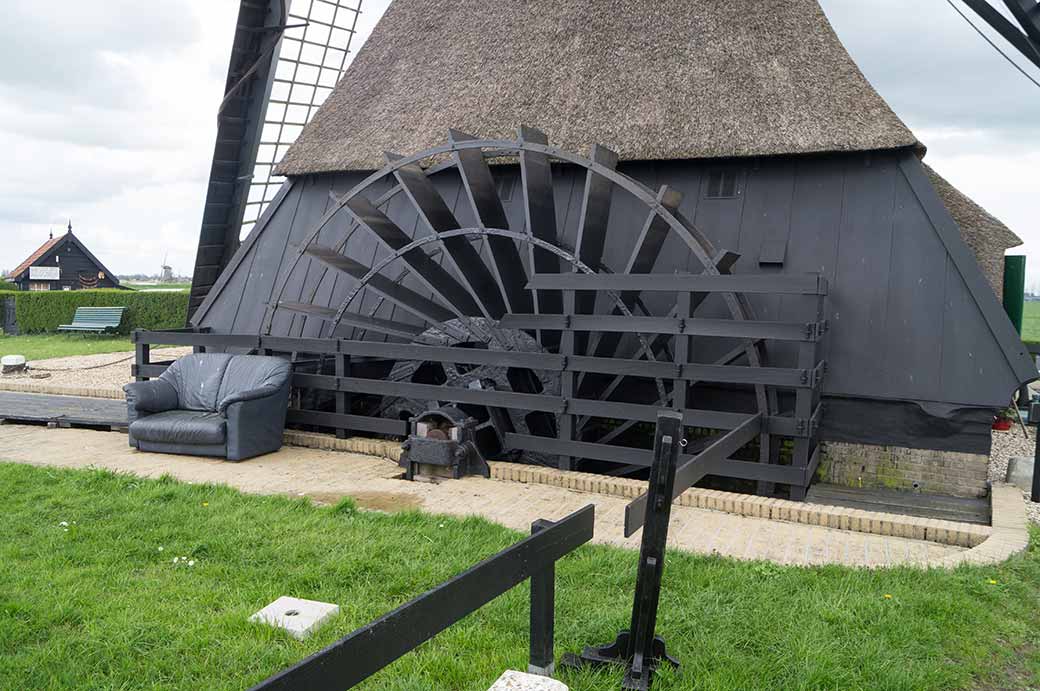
x=249, y=373
x=153, y=396
x=197, y=379
x=181, y=427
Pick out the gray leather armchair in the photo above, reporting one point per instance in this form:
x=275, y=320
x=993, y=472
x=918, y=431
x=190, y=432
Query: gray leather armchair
x=211, y=404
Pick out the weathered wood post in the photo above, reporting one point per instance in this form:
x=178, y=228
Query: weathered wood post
x=543, y=613
x=342, y=399
x=142, y=355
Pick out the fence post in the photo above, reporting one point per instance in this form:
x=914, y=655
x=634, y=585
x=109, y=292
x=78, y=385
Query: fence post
x=142, y=356
x=638, y=647
x=543, y=613
x=9, y=316
x=567, y=349
x=647, y=649
x=342, y=402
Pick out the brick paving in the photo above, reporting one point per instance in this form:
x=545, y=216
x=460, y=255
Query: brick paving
x=326, y=475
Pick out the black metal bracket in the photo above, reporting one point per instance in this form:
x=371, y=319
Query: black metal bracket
x=638, y=647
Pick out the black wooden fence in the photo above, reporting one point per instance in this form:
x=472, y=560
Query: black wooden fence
x=359, y=655
x=360, y=368
x=8, y=321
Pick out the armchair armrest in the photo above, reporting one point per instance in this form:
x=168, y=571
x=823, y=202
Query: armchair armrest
x=146, y=397
x=249, y=395
x=153, y=396
x=255, y=425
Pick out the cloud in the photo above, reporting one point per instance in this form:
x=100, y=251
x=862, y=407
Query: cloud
x=108, y=117
x=76, y=48
x=933, y=68
x=978, y=116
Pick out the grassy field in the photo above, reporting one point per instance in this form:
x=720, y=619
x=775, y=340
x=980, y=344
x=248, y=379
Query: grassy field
x=1031, y=322
x=157, y=286
x=43, y=346
x=90, y=597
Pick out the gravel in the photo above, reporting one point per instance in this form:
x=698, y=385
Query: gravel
x=1006, y=445
x=104, y=371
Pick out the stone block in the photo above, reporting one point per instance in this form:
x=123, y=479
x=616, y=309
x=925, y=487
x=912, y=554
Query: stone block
x=11, y=364
x=299, y=617
x=519, y=681
x=1020, y=473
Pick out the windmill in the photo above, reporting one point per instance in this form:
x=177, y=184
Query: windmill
x=166, y=271
x=286, y=57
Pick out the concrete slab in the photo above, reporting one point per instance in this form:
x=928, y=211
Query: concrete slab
x=299, y=617
x=518, y=681
x=1020, y=472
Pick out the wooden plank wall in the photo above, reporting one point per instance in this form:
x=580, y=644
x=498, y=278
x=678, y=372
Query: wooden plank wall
x=904, y=326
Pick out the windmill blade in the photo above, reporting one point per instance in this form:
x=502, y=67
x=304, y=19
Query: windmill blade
x=286, y=58
x=1023, y=42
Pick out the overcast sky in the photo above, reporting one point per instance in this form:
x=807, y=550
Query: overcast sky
x=107, y=116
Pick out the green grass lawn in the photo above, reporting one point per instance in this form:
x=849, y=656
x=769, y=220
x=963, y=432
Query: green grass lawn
x=43, y=346
x=102, y=605
x=1031, y=321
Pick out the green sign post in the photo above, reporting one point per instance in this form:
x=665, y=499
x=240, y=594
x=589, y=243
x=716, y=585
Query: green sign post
x=1014, y=288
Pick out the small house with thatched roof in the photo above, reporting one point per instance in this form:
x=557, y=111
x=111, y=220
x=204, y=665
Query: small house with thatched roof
x=760, y=131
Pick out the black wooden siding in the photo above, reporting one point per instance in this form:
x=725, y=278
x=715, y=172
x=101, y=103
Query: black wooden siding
x=73, y=262
x=904, y=325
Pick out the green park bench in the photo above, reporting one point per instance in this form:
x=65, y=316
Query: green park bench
x=97, y=319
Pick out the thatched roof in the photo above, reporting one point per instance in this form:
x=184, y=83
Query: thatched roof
x=652, y=80
x=981, y=229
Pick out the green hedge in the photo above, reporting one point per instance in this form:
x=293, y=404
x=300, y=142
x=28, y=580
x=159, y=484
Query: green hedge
x=42, y=311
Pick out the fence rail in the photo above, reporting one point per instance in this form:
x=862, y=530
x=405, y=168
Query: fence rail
x=359, y=655
x=794, y=378
x=356, y=387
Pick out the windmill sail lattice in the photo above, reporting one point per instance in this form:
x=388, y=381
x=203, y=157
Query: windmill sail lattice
x=286, y=58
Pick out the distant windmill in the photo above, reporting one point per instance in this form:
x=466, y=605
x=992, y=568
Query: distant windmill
x=166, y=275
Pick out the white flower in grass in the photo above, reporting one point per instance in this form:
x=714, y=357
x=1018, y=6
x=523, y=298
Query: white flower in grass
x=64, y=524
x=191, y=562
x=176, y=559
x=160, y=548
